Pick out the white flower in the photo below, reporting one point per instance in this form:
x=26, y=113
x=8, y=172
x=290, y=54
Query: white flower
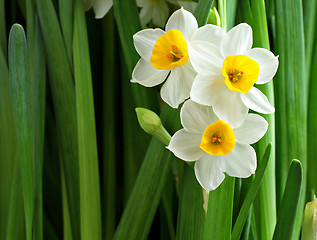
x=165, y=55
x=215, y=145
x=227, y=71
x=157, y=10
x=101, y=7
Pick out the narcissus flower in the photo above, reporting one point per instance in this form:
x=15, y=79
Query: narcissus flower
x=216, y=146
x=155, y=10
x=165, y=55
x=227, y=72
x=101, y=7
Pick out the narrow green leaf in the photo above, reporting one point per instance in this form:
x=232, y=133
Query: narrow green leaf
x=16, y=220
x=90, y=209
x=20, y=101
x=191, y=214
x=312, y=127
x=3, y=35
x=245, y=208
x=66, y=20
x=202, y=11
x=231, y=13
x=218, y=222
x=139, y=212
x=37, y=84
x=222, y=8
x=288, y=208
x=134, y=140
x=291, y=97
x=127, y=12
x=266, y=197
x=7, y=146
x=310, y=10
x=63, y=92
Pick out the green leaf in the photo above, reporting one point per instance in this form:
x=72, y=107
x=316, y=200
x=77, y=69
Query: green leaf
x=312, y=127
x=66, y=20
x=288, y=208
x=139, y=212
x=202, y=11
x=191, y=214
x=21, y=110
x=90, y=209
x=3, y=35
x=16, y=220
x=63, y=92
x=218, y=222
x=127, y=12
x=291, y=97
x=7, y=147
x=266, y=197
x=37, y=94
x=254, y=186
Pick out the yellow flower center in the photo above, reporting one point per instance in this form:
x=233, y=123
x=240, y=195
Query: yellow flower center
x=240, y=72
x=218, y=139
x=170, y=50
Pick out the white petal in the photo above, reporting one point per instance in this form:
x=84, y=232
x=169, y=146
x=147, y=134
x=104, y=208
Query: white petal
x=185, y=145
x=189, y=6
x=257, y=101
x=195, y=117
x=237, y=41
x=252, y=129
x=145, y=16
x=208, y=171
x=229, y=107
x=101, y=7
x=267, y=61
x=205, y=56
x=146, y=75
x=241, y=162
x=204, y=86
x=160, y=13
x=209, y=33
x=177, y=86
x=209, y=89
x=183, y=21
x=145, y=40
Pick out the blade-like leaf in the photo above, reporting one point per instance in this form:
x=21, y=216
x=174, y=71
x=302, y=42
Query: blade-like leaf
x=191, y=215
x=63, y=92
x=127, y=12
x=288, y=208
x=291, y=97
x=244, y=211
x=21, y=110
x=202, y=11
x=218, y=222
x=90, y=210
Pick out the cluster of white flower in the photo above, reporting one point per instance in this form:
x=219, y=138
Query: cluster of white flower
x=217, y=70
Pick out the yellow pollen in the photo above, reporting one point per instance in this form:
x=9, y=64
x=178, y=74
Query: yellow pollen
x=240, y=72
x=170, y=50
x=218, y=139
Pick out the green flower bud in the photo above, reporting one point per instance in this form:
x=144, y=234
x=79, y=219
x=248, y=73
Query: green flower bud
x=309, y=227
x=151, y=124
x=214, y=17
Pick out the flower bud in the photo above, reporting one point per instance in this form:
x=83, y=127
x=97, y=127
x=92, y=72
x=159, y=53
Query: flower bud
x=151, y=124
x=214, y=17
x=309, y=227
